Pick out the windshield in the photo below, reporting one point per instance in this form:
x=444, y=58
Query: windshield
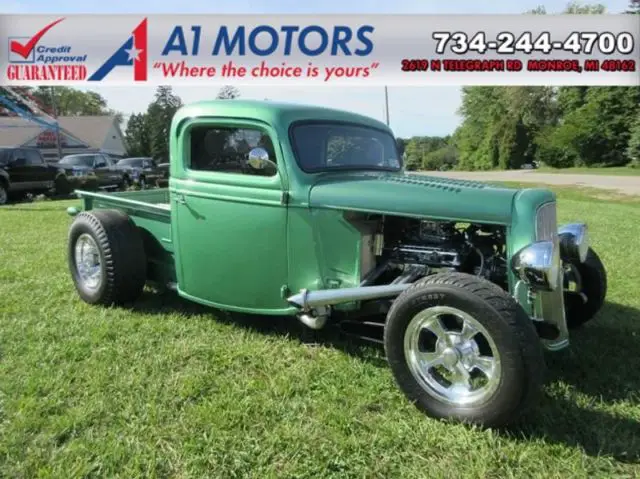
x=329, y=146
x=77, y=160
x=130, y=162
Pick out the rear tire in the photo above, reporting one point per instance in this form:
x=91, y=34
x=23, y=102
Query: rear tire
x=106, y=257
x=593, y=279
x=61, y=186
x=125, y=184
x=487, y=372
x=4, y=193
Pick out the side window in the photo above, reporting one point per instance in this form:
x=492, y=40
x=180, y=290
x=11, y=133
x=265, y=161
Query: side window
x=100, y=161
x=227, y=150
x=32, y=158
x=19, y=158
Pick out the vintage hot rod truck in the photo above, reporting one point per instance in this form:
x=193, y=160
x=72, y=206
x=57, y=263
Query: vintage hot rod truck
x=279, y=209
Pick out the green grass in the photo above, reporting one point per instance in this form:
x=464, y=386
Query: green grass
x=613, y=171
x=169, y=389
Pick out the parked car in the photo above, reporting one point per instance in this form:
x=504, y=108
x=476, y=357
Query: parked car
x=94, y=170
x=24, y=171
x=143, y=171
x=475, y=279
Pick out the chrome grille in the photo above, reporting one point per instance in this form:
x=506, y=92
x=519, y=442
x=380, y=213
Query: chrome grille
x=546, y=222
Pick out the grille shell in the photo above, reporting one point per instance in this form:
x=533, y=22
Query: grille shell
x=546, y=222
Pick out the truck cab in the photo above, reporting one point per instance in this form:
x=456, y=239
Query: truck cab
x=281, y=209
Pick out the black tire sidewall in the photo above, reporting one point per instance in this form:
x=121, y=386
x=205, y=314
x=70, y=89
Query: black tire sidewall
x=6, y=194
x=61, y=185
x=594, y=285
x=91, y=296
x=511, y=388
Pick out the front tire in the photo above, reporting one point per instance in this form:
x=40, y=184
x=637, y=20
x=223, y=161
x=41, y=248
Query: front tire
x=591, y=280
x=462, y=349
x=106, y=257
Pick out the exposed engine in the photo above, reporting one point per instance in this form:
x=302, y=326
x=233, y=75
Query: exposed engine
x=409, y=249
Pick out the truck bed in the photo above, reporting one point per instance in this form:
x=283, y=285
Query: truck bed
x=156, y=200
x=150, y=210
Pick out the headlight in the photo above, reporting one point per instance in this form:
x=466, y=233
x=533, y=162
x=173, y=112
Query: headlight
x=538, y=265
x=574, y=242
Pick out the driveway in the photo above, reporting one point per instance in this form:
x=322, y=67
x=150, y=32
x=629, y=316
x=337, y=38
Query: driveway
x=629, y=185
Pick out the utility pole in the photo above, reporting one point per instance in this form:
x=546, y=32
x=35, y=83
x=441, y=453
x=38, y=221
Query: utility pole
x=386, y=103
x=55, y=115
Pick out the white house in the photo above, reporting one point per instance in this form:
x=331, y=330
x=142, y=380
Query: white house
x=78, y=134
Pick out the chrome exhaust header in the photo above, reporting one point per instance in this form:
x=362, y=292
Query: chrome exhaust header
x=308, y=300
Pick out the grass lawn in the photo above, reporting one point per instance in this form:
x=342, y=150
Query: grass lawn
x=172, y=389
x=613, y=171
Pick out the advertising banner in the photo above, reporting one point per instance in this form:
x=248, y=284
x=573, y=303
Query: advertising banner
x=320, y=49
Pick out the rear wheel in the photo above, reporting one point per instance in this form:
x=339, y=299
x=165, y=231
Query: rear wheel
x=106, y=257
x=461, y=348
x=61, y=186
x=4, y=194
x=125, y=184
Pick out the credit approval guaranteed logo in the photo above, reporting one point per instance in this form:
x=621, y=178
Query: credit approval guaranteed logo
x=32, y=58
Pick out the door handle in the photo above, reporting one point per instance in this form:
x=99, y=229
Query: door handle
x=179, y=199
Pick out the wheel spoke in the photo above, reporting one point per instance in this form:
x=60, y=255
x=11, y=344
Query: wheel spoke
x=435, y=326
x=468, y=331
x=462, y=377
x=485, y=364
x=429, y=360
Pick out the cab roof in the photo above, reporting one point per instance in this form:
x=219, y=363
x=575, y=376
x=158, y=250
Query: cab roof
x=277, y=114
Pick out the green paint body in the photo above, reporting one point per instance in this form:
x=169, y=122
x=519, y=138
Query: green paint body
x=242, y=243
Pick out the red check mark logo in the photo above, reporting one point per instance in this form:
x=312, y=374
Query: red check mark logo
x=25, y=50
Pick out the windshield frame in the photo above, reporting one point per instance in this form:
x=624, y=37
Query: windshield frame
x=329, y=123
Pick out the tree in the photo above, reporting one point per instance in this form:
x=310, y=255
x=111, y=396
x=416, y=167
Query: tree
x=444, y=158
x=633, y=150
x=228, y=92
x=580, y=8
x=418, y=147
x=634, y=7
x=71, y=102
x=137, y=135
x=595, y=131
x=159, y=116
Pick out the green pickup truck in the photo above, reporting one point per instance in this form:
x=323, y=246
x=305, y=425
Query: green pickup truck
x=278, y=209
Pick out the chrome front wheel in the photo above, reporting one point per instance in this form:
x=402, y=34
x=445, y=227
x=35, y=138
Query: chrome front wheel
x=461, y=348
x=452, y=355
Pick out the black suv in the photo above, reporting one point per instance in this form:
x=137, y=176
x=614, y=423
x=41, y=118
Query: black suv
x=141, y=170
x=23, y=171
x=94, y=170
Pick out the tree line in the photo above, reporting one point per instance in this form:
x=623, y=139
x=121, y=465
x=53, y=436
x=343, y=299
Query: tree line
x=506, y=127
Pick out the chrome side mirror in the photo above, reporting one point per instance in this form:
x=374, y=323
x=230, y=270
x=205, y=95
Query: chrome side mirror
x=258, y=159
x=538, y=265
x=574, y=241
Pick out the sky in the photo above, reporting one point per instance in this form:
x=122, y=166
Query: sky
x=412, y=110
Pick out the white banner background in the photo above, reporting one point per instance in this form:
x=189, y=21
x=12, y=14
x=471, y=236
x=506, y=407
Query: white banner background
x=394, y=38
